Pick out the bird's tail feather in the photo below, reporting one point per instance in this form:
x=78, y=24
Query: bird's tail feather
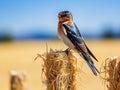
x=92, y=67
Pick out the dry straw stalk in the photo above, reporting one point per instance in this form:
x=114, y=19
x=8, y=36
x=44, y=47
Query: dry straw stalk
x=60, y=70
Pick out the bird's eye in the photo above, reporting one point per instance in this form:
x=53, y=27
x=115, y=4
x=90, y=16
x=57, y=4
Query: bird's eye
x=64, y=15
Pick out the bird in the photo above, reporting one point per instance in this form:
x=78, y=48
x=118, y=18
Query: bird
x=69, y=33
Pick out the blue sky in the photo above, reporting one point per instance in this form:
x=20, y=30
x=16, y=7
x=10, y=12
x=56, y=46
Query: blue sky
x=21, y=15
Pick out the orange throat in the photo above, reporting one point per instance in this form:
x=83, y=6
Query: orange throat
x=68, y=20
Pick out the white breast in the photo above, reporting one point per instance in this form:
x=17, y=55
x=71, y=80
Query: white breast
x=64, y=38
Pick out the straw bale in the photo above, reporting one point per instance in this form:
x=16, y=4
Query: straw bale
x=18, y=80
x=60, y=70
x=112, y=73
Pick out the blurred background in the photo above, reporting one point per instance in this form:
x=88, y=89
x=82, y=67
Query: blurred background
x=27, y=25
x=33, y=20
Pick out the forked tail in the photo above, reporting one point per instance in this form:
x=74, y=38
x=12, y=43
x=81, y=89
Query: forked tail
x=91, y=65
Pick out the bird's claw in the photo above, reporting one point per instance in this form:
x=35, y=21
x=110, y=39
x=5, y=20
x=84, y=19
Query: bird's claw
x=67, y=51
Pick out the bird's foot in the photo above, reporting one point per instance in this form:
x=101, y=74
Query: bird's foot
x=67, y=51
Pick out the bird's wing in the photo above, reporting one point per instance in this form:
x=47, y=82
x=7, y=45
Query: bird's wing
x=78, y=32
x=91, y=52
x=80, y=46
x=74, y=38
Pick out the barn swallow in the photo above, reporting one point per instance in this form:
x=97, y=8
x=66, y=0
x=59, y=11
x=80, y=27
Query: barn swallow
x=69, y=33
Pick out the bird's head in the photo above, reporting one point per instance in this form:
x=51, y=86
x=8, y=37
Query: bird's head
x=65, y=16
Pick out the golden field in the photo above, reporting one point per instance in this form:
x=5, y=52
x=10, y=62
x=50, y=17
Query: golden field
x=20, y=56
